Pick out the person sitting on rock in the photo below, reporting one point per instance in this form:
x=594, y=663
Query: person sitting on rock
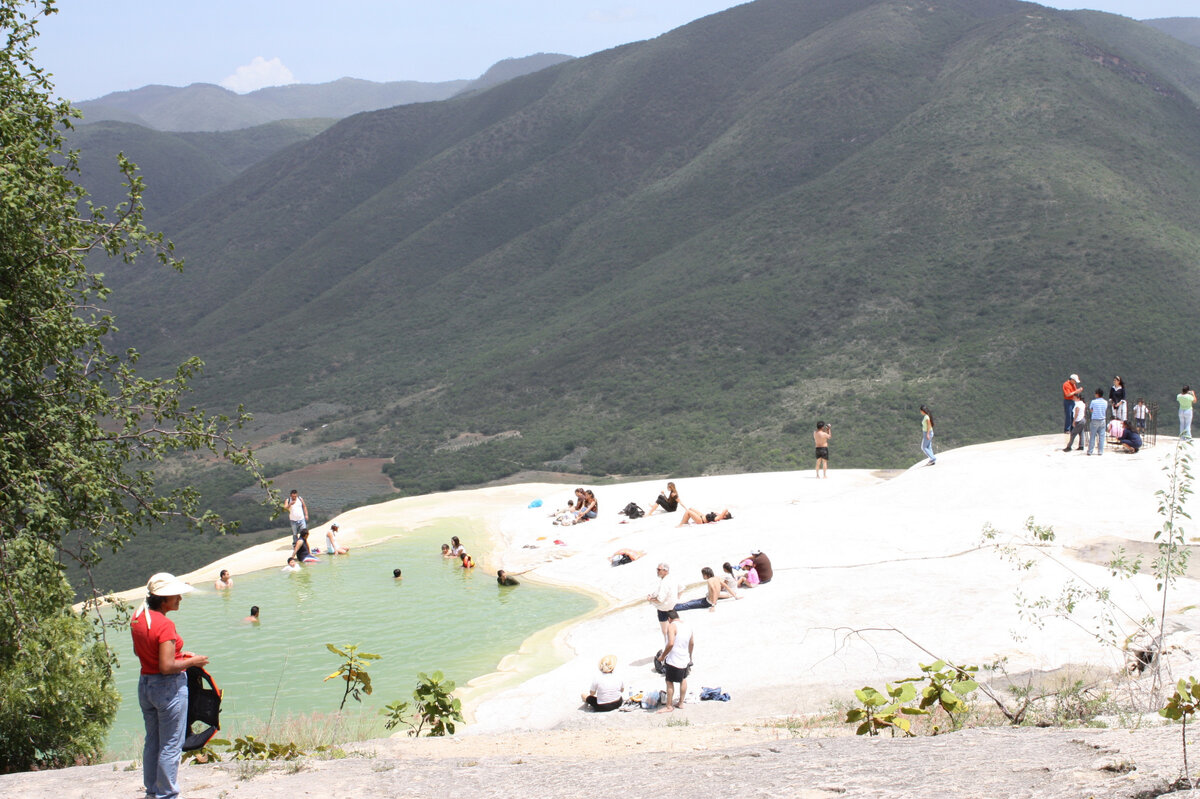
x=668, y=501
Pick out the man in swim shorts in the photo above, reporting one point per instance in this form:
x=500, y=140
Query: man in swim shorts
x=665, y=596
x=821, y=438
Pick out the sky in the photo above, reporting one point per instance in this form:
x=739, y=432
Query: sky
x=93, y=47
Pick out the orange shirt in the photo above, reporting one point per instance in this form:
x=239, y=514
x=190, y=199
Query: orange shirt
x=147, y=637
x=1069, y=389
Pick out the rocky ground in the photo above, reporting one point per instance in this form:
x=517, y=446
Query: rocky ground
x=744, y=761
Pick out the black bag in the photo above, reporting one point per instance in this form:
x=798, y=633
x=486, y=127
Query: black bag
x=204, y=705
x=632, y=511
x=659, y=666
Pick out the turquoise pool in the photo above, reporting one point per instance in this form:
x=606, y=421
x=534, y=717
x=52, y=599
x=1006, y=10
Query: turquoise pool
x=438, y=617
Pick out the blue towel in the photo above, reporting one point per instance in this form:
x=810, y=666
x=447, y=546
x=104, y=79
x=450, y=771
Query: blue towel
x=537, y=503
x=713, y=694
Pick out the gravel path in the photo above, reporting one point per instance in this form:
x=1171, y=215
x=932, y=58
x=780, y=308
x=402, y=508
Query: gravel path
x=985, y=763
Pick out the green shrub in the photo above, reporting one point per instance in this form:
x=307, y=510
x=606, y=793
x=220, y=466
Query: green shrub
x=57, y=697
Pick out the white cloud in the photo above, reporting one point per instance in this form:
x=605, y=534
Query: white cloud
x=258, y=73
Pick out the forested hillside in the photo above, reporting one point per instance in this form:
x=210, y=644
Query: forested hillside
x=183, y=166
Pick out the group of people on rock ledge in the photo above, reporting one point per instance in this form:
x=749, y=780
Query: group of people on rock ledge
x=1100, y=418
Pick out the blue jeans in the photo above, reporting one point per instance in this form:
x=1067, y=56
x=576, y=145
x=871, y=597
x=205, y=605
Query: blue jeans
x=297, y=528
x=1068, y=414
x=927, y=445
x=1185, y=423
x=164, y=702
x=1096, y=434
x=694, y=604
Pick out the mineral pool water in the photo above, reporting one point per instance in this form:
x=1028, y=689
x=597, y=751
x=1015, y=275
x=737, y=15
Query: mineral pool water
x=438, y=617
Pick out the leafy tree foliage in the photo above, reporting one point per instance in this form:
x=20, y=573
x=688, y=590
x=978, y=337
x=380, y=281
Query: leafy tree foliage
x=80, y=431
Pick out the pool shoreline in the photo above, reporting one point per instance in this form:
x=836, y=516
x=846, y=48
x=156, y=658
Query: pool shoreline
x=478, y=513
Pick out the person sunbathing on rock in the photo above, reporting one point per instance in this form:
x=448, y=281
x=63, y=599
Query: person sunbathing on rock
x=696, y=517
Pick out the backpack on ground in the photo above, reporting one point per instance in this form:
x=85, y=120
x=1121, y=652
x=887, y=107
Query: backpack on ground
x=632, y=511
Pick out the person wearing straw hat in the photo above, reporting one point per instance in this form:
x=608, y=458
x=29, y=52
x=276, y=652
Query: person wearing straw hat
x=608, y=690
x=162, y=686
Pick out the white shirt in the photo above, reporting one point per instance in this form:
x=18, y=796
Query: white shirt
x=1080, y=410
x=679, y=655
x=296, y=510
x=666, y=597
x=608, y=688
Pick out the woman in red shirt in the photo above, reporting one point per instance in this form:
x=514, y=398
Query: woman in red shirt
x=162, y=686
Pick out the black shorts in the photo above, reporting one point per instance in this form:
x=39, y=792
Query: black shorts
x=662, y=615
x=823, y=453
x=595, y=705
x=674, y=674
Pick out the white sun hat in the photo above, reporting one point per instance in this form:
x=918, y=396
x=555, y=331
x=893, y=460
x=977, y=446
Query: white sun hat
x=164, y=584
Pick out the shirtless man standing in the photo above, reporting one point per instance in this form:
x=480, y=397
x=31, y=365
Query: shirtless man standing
x=821, y=438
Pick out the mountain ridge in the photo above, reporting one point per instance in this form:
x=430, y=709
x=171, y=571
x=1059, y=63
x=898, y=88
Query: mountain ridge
x=678, y=254
x=205, y=107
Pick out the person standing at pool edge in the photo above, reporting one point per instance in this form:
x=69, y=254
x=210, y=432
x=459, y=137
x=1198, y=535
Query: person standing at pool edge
x=162, y=685
x=297, y=513
x=665, y=596
x=676, y=658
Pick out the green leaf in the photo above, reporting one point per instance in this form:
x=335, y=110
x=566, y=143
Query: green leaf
x=869, y=696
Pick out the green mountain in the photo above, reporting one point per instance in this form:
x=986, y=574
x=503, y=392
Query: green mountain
x=185, y=166
x=1185, y=29
x=206, y=107
x=675, y=256
x=510, y=68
